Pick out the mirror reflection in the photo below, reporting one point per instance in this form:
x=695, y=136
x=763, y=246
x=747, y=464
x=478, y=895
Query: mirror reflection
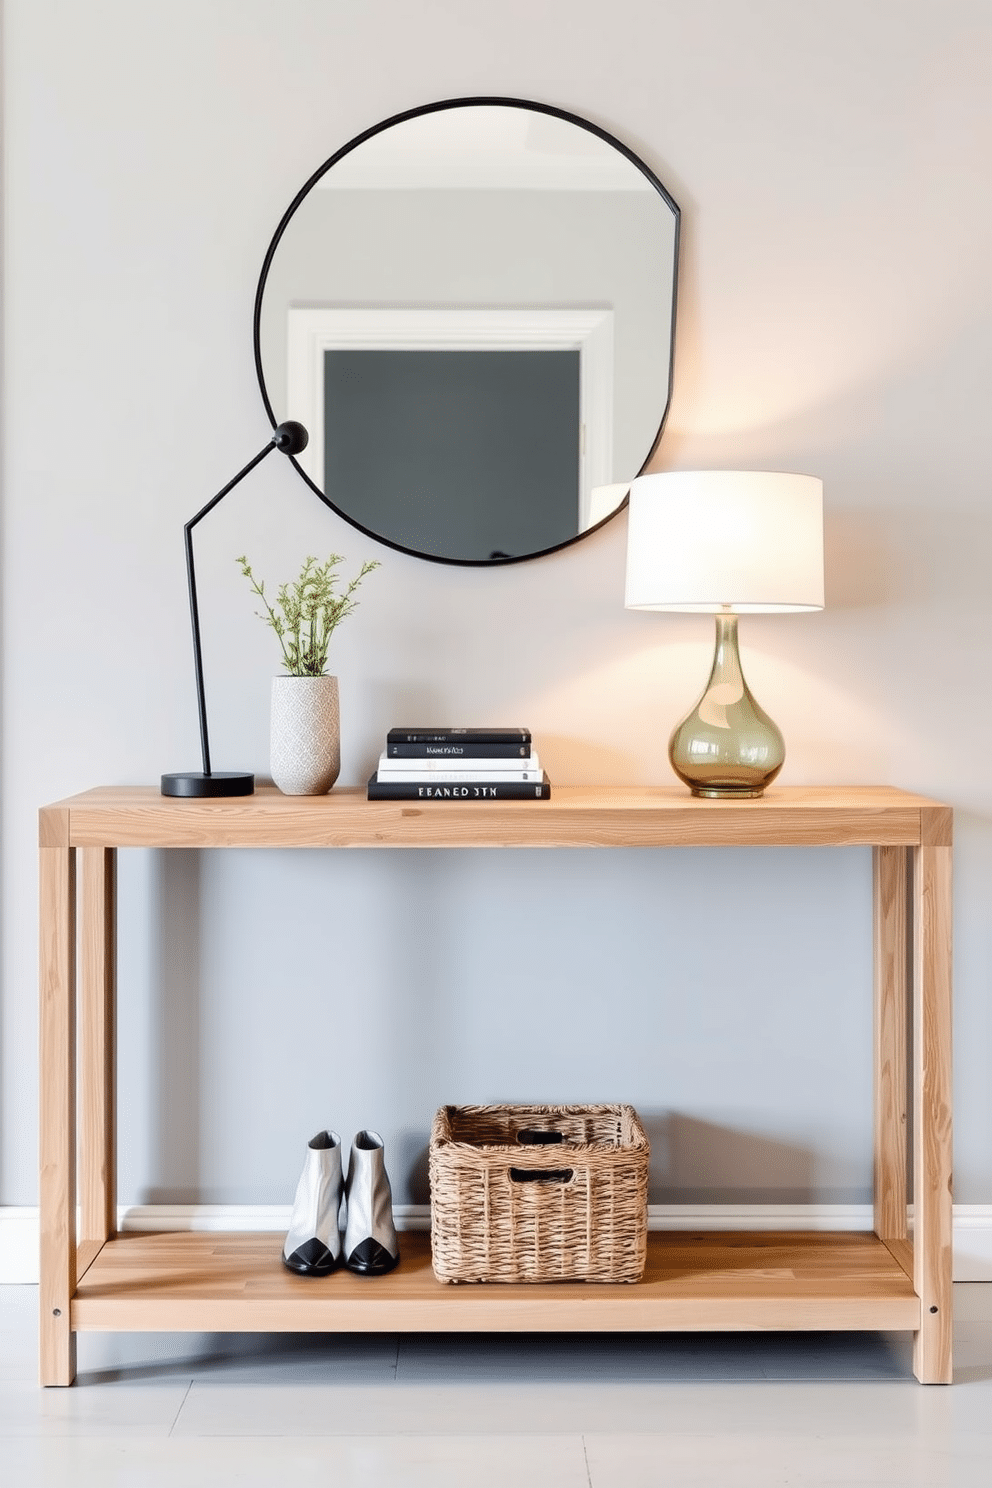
x=471, y=308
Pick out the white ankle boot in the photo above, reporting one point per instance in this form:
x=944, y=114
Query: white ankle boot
x=370, y=1244
x=313, y=1244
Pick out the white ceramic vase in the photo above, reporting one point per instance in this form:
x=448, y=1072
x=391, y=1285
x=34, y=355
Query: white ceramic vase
x=305, y=739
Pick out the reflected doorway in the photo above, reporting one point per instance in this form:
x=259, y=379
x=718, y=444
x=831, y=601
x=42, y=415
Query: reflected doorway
x=469, y=454
x=475, y=435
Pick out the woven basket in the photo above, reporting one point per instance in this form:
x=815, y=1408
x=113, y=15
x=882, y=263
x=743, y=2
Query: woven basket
x=506, y=1209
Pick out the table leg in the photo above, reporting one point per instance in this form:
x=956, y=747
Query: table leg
x=891, y=911
x=57, y=1130
x=932, y=1175
x=97, y=1137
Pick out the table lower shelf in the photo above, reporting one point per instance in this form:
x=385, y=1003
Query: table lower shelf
x=190, y=1282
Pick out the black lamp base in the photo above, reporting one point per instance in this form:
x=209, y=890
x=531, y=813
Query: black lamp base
x=220, y=783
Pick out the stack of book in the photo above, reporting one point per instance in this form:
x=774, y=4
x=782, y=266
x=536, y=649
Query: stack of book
x=459, y=764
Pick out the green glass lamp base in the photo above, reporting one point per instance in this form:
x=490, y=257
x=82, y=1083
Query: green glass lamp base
x=723, y=792
x=727, y=747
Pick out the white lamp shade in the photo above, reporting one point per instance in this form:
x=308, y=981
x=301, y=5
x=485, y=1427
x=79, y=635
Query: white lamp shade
x=711, y=540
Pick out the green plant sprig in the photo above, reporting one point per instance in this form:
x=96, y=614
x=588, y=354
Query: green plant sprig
x=307, y=611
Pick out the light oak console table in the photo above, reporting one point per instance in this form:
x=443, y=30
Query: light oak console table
x=94, y=1278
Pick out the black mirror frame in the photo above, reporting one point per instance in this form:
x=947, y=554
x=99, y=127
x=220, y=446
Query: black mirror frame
x=359, y=139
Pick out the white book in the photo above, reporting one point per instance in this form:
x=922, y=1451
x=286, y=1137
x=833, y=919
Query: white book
x=458, y=777
x=404, y=771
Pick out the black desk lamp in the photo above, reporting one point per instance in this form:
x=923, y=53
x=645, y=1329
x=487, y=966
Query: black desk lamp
x=291, y=438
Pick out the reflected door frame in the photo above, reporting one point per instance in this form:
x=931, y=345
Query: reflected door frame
x=313, y=330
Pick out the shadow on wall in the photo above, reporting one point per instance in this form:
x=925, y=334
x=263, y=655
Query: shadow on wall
x=699, y=1162
x=176, y=1059
x=415, y=1162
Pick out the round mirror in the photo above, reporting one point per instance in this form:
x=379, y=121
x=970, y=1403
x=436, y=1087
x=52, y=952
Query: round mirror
x=471, y=307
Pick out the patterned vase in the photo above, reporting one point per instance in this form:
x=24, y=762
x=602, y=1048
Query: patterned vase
x=305, y=741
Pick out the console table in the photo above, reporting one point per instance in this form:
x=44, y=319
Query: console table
x=889, y=1278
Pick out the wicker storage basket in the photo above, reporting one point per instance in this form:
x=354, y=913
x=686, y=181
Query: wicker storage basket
x=507, y=1207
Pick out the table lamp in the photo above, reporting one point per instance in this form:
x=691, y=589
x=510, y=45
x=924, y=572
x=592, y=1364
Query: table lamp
x=725, y=542
x=291, y=438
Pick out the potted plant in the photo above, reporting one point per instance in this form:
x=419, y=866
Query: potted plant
x=305, y=740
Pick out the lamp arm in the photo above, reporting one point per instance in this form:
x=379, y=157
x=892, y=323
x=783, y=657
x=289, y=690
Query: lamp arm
x=288, y=437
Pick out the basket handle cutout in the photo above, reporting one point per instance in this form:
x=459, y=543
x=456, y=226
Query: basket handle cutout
x=531, y=1137
x=541, y=1175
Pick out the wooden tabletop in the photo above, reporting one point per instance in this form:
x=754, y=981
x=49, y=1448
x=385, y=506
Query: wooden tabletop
x=575, y=816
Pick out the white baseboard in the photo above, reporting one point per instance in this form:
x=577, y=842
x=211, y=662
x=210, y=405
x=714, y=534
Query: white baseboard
x=972, y=1226
x=973, y=1242
x=759, y=1217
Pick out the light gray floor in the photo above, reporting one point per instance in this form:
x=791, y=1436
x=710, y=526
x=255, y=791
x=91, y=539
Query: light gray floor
x=730, y=1411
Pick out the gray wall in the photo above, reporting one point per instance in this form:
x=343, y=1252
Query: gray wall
x=831, y=164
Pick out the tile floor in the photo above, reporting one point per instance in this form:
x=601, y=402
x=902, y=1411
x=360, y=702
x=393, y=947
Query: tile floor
x=236, y=1411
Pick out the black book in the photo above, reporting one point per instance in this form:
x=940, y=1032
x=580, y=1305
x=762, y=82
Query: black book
x=455, y=749
x=487, y=736
x=479, y=790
